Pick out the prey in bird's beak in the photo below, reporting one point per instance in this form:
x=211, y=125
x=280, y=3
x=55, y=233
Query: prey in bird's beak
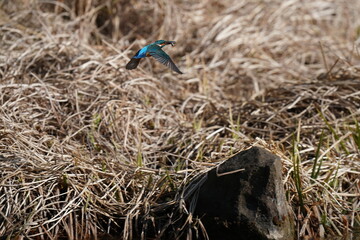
x=171, y=42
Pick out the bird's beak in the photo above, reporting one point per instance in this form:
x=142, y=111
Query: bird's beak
x=172, y=43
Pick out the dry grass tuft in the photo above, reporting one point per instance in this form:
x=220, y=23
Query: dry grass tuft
x=88, y=148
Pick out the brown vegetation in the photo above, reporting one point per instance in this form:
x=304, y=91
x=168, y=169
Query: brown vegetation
x=88, y=148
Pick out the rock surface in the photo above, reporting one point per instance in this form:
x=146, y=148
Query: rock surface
x=246, y=204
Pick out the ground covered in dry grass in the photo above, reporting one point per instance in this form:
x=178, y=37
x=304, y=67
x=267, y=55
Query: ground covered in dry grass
x=88, y=148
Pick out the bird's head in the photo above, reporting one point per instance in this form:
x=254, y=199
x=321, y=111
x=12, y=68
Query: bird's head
x=162, y=43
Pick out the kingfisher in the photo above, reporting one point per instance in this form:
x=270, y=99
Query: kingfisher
x=154, y=50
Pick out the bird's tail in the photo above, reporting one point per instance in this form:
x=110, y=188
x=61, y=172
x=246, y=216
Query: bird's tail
x=134, y=62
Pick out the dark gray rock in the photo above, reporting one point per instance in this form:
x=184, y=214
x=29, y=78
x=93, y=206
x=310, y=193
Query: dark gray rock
x=247, y=204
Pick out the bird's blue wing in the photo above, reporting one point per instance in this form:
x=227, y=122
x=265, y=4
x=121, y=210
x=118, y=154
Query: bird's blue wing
x=141, y=53
x=163, y=58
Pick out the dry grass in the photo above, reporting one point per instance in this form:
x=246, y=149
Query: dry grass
x=88, y=148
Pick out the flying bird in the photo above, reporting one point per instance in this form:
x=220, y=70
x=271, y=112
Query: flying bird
x=154, y=50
